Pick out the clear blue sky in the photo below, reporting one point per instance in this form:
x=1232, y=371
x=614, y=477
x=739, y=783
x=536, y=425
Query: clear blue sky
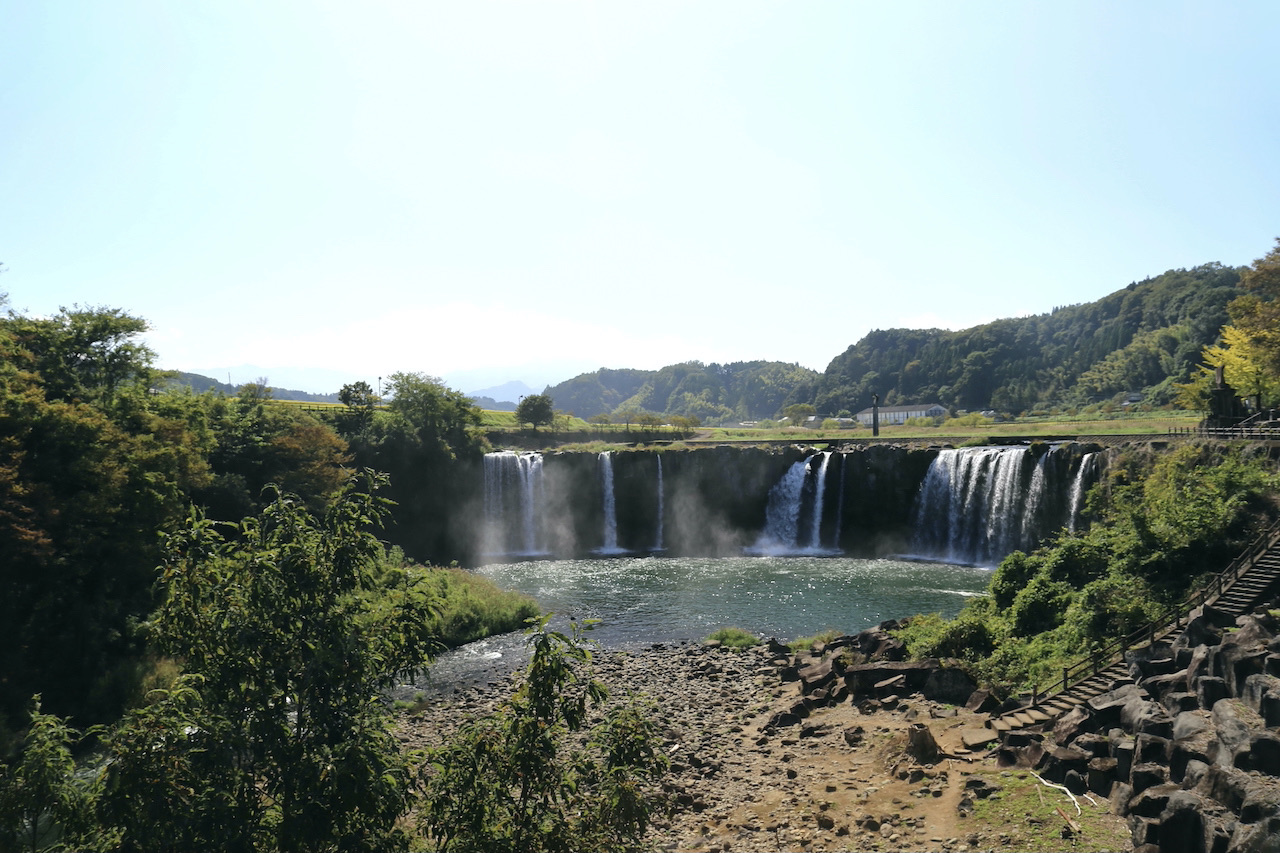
x=489, y=191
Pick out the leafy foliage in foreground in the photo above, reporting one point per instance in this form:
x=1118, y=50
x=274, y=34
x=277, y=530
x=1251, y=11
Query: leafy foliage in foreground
x=276, y=736
x=512, y=782
x=43, y=806
x=1163, y=523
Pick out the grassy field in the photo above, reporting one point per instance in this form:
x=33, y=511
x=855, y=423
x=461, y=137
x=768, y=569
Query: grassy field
x=1137, y=424
x=569, y=429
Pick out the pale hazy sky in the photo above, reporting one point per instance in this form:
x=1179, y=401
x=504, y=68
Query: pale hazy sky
x=489, y=191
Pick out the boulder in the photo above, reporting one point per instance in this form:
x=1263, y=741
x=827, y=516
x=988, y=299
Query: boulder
x=1071, y=724
x=862, y=678
x=1144, y=776
x=1226, y=785
x=1261, y=755
x=1097, y=745
x=1160, y=685
x=1122, y=751
x=1176, y=703
x=950, y=684
x=1262, y=694
x=1151, y=749
x=1261, y=837
x=1182, y=824
x=1193, y=739
x=1261, y=801
x=1106, y=707
x=1151, y=801
x=815, y=675
x=1204, y=629
x=1058, y=760
x=1243, y=653
x=1102, y=775
x=981, y=701
x=1202, y=663
x=1235, y=725
x=1211, y=689
x=1142, y=715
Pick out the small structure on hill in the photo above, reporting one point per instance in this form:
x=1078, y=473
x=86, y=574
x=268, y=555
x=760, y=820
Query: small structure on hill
x=890, y=415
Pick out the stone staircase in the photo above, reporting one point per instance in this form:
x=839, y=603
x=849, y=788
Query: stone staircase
x=1240, y=588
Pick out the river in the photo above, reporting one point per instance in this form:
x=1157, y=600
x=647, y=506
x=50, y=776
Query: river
x=644, y=600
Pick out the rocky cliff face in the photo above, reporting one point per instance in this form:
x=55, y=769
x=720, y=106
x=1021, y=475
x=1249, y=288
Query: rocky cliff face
x=712, y=501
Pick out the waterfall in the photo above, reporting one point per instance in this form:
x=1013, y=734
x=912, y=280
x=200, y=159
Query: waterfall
x=815, y=533
x=835, y=543
x=782, y=513
x=658, y=544
x=971, y=505
x=977, y=505
x=513, y=493
x=782, y=533
x=1085, y=476
x=1034, y=498
x=610, y=545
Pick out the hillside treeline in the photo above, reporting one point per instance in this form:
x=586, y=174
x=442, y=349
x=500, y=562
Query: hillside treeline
x=1145, y=339
x=100, y=459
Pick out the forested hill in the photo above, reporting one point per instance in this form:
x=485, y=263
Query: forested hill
x=1141, y=339
x=743, y=390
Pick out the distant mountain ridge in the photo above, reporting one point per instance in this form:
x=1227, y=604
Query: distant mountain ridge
x=746, y=390
x=199, y=383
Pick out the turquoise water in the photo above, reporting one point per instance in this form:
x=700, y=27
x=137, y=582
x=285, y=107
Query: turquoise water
x=661, y=599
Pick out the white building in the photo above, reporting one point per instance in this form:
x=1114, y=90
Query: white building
x=890, y=415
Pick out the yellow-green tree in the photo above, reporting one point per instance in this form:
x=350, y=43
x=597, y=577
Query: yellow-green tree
x=1244, y=364
x=1256, y=312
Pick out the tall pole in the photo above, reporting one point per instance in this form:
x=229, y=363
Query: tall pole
x=875, y=414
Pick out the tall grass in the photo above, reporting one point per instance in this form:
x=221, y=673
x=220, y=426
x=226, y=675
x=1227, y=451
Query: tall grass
x=473, y=607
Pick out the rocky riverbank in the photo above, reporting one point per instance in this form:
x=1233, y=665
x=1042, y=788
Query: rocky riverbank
x=831, y=749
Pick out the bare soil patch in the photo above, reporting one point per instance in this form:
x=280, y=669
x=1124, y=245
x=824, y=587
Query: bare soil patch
x=841, y=779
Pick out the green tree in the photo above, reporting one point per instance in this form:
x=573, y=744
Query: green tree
x=43, y=806
x=797, y=412
x=86, y=482
x=279, y=732
x=84, y=355
x=360, y=401
x=509, y=782
x=536, y=410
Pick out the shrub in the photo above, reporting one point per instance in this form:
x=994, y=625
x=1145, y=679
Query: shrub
x=734, y=638
x=809, y=642
x=509, y=781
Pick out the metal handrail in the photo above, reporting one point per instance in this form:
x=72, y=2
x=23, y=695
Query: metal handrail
x=1170, y=620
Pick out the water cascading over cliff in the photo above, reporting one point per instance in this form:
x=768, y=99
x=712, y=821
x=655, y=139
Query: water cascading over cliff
x=513, y=504
x=977, y=505
x=659, y=543
x=793, y=517
x=609, y=505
